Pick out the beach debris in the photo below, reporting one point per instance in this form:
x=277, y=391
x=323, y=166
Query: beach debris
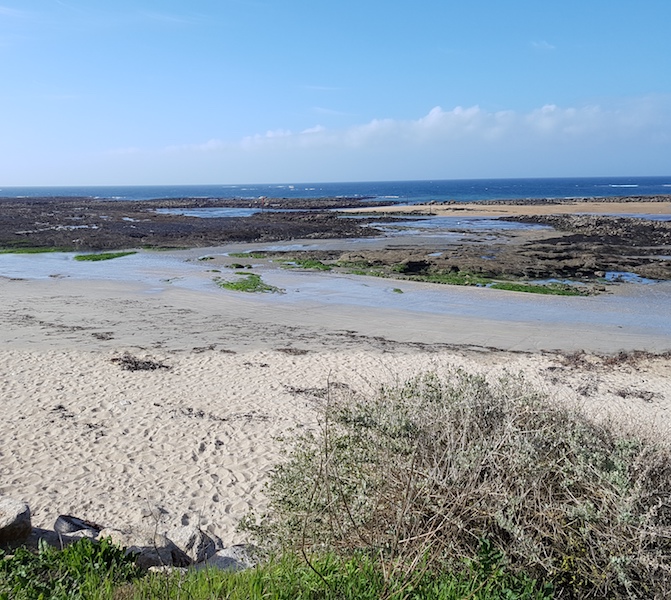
x=68, y=524
x=128, y=362
x=15, y=525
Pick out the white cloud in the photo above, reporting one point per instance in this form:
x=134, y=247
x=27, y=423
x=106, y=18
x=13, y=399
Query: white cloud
x=475, y=126
x=632, y=137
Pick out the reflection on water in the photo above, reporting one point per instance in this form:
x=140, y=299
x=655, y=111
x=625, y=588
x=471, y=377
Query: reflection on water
x=454, y=227
x=210, y=213
x=625, y=277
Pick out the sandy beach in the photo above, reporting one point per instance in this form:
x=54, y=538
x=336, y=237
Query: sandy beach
x=479, y=209
x=195, y=439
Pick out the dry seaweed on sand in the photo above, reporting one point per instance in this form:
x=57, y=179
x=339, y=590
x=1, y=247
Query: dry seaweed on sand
x=128, y=362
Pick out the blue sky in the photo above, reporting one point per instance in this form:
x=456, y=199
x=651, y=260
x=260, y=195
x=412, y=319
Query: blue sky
x=261, y=91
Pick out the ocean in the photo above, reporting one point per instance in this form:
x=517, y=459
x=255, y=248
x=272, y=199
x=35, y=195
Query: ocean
x=411, y=192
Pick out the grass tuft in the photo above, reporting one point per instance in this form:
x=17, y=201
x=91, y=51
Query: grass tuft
x=359, y=577
x=83, y=570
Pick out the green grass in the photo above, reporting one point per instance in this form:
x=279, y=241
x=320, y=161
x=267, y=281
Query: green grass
x=250, y=282
x=87, y=570
x=551, y=289
x=103, y=256
x=330, y=576
x=81, y=571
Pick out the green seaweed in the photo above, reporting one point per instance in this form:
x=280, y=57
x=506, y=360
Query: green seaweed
x=530, y=288
x=250, y=282
x=103, y=256
x=33, y=250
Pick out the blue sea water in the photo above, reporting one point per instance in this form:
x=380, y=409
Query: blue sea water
x=412, y=192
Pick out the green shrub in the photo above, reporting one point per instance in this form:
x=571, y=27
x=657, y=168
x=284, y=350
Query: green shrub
x=424, y=473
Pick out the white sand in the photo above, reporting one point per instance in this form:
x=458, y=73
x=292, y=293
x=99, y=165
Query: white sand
x=82, y=436
x=475, y=209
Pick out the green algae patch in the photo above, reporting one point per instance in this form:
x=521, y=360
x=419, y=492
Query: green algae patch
x=250, y=282
x=247, y=254
x=554, y=290
x=103, y=256
x=31, y=250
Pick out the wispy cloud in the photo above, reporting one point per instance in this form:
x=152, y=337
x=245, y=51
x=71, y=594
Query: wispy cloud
x=543, y=45
x=172, y=19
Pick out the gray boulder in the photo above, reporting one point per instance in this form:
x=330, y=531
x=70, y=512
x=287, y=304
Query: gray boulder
x=15, y=525
x=233, y=558
x=152, y=549
x=194, y=542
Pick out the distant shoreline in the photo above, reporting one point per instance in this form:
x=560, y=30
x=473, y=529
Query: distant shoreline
x=321, y=202
x=638, y=205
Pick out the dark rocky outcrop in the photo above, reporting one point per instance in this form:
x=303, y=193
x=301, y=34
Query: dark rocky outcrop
x=15, y=525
